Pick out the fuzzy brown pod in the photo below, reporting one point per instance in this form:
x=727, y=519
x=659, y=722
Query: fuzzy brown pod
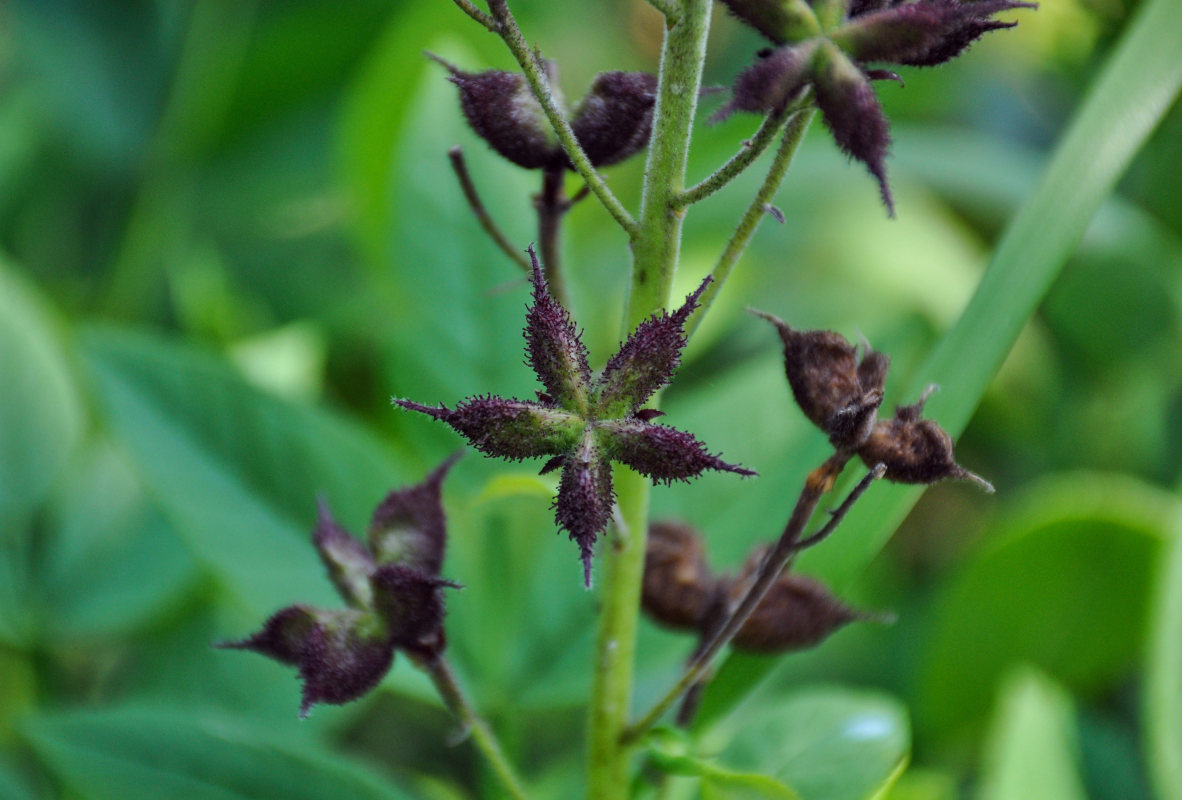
x=678, y=588
x=797, y=612
x=915, y=450
x=836, y=389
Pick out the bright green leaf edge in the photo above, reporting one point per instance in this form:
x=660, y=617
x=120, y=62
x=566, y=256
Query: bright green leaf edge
x=1136, y=88
x=1163, y=685
x=1032, y=750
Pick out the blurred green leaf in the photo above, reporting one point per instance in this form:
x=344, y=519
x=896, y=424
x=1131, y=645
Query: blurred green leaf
x=1162, y=711
x=125, y=754
x=1031, y=750
x=12, y=785
x=235, y=471
x=114, y=564
x=41, y=423
x=1061, y=583
x=1135, y=90
x=826, y=743
x=41, y=418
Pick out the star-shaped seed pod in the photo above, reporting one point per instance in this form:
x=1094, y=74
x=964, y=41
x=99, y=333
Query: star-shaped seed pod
x=679, y=592
x=841, y=393
x=393, y=591
x=582, y=422
x=830, y=52
x=612, y=121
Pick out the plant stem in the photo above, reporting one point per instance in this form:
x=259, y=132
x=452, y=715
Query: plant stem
x=456, y=156
x=819, y=482
x=475, y=13
x=482, y=736
x=552, y=205
x=657, y=244
x=793, y=134
x=669, y=8
x=752, y=149
x=655, y=248
x=536, y=77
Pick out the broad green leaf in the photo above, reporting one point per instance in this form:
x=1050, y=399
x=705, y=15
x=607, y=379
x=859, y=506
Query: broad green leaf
x=125, y=754
x=1031, y=750
x=669, y=752
x=1162, y=713
x=1022, y=598
x=12, y=785
x=41, y=423
x=824, y=743
x=114, y=564
x=235, y=472
x=1134, y=91
x=41, y=418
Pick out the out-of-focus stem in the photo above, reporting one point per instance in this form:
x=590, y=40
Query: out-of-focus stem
x=819, y=482
x=456, y=156
x=482, y=736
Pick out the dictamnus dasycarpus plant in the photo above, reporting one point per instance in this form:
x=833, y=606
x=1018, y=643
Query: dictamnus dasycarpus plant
x=598, y=428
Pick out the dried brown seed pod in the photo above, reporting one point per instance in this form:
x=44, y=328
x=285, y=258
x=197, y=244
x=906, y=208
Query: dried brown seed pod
x=915, y=450
x=838, y=391
x=678, y=588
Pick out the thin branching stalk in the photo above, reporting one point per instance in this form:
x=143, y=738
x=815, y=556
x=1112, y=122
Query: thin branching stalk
x=460, y=167
x=475, y=13
x=655, y=248
x=752, y=149
x=551, y=204
x=819, y=482
x=793, y=134
x=535, y=75
x=473, y=725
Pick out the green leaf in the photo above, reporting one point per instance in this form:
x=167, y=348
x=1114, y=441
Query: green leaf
x=41, y=423
x=126, y=754
x=235, y=472
x=12, y=785
x=1020, y=600
x=825, y=743
x=1136, y=88
x=1162, y=713
x=40, y=415
x=114, y=565
x=1031, y=751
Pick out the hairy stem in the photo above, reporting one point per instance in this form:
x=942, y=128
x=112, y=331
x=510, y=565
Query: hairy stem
x=551, y=204
x=475, y=13
x=752, y=149
x=456, y=156
x=482, y=736
x=655, y=248
x=669, y=8
x=819, y=482
x=536, y=76
x=793, y=134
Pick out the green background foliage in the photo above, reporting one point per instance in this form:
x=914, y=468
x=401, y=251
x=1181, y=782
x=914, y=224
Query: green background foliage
x=228, y=233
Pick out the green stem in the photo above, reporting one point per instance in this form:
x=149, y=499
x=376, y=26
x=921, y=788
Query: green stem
x=669, y=8
x=475, y=13
x=793, y=135
x=752, y=149
x=655, y=248
x=536, y=77
x=482, y=736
